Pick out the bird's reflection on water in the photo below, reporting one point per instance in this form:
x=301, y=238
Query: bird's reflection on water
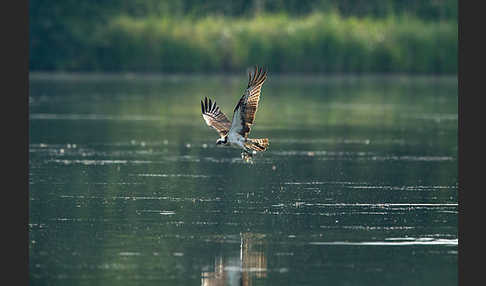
x=251, y=264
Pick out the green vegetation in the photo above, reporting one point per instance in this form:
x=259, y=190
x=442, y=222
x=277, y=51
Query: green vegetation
x=285, y=40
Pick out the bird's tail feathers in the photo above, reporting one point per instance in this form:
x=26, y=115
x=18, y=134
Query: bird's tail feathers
x=260, y=144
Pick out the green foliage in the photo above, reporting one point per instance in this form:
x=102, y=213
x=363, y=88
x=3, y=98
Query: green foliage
x=144, y=39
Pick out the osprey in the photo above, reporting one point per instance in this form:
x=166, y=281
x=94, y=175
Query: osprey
x=235, y=133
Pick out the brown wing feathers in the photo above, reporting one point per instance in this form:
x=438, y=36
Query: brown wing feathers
x=248, y=103
x=214, y=117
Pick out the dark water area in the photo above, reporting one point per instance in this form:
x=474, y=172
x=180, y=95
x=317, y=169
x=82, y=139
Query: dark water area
x=127, y=185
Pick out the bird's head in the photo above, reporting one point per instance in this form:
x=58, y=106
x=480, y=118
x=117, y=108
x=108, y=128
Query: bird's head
x=221, y=140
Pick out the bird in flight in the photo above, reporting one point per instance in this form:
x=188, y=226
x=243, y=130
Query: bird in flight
x=235, y=133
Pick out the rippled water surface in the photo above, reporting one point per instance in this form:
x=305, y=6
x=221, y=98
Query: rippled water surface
x=127, y=186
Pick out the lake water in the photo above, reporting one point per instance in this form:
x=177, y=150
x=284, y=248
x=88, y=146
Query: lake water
x=358, y=186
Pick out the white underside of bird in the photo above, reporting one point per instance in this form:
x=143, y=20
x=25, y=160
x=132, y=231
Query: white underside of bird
x=234, y=138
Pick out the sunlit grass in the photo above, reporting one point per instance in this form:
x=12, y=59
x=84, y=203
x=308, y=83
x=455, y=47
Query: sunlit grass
x=315, y=43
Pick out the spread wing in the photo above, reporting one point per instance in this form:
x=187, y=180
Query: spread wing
x=214, y=117
x=244, y=113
